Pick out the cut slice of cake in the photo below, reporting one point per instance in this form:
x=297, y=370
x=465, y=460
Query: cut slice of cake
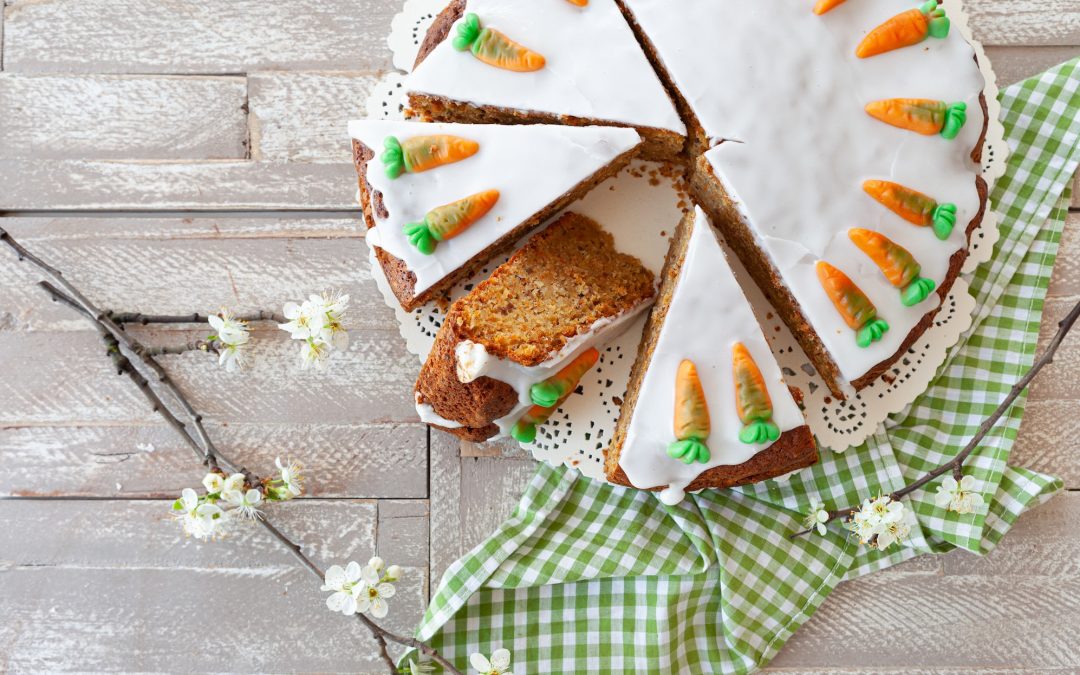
x=513, y=62
x=809, y=134
x=514, y=348
x=707, y=406
x=440, y=200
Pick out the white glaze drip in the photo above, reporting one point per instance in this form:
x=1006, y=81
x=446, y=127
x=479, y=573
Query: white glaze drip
x=531, y=166
x=707, y=315
x=787, y=85
x=595, y=68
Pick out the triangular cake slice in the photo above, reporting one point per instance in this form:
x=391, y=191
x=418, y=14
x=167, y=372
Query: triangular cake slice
x=513, y=349
x=849, y=187
x=440, y=200
x=556, y=61
x=707, y=406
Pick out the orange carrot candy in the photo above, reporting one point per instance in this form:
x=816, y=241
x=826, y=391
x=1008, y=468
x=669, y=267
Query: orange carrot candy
x=921, y=115
x=823, y=6
x=914, y=207
x=450, y=220
x=494, y=48
x=905, y=29
x=422, y=153
x=898, y=265
x=752, y=398
x=550, y=394
x=856, y=309
x=579, y=3
x=691, y=416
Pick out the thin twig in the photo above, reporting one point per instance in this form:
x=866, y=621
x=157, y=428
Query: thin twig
x=144, y=319
x=956, y=464
x=207, y=454
x=210, y=347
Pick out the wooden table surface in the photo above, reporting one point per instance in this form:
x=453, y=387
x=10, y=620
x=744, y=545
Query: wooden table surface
x=176, y=156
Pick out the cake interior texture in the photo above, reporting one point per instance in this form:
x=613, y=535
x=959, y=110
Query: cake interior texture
x=558, y=286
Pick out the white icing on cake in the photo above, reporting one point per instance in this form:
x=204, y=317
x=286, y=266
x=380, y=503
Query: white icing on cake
x=707, y=315
x=786, y=84
x=474, y=361
x=530, y=165
x=595, y=68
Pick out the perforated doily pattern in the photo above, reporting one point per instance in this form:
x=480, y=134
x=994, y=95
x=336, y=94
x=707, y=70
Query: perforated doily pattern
x=639, y=198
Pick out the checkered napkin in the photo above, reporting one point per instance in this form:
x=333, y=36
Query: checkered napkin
x=590, y=577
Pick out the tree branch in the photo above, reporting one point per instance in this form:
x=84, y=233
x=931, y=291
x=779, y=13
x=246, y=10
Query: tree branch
x=207, y=453
x=144, y=319
x=956, y=464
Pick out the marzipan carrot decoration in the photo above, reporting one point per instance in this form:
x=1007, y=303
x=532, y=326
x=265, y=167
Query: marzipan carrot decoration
x=855, y=308
x=579, y=3
x=691, y=416
x=752, y=398
x=823, y=6
x=921, y=115
x=898, y=265
x=563, y=384
x=450, y=220
x=422, y=153
x=905, y=29
x=914, y=207
x=494, y=48
x=548, y=393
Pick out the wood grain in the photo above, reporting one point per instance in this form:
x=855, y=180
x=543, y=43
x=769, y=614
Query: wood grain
x=1025, y=22
x=220, y=36
x=121, y=117
x=118, y=585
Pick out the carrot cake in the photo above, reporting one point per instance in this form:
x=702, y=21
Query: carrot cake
x=440, y=200
x=513, y=62
x=513, y=349
x=836, y=147
x=707, y=406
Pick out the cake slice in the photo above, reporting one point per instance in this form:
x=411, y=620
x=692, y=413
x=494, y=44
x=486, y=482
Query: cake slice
x=513, y=62
x=707, y=406
x=440, y=200
x=514, y=348
x=793, y=178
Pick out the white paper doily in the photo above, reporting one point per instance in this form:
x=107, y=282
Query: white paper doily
x=647, y=203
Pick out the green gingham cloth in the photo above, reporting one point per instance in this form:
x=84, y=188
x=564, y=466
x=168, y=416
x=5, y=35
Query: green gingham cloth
x=591, y=577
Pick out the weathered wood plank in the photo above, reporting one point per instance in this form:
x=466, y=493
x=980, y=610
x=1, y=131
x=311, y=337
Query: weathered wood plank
x=1048, y=439
x=1015, y=63
x=303, y=117
x=1025, y=22
x=1065, y=282
x=371, y=382
x=122, y=117
x=490, y=489
x=1016, y=608
x=403, y=532
x=210, y=185
x=1056, y=381
x=445, y=504
x=159, y=36
x=248, y=264
x=355, y=460
x=94, y=586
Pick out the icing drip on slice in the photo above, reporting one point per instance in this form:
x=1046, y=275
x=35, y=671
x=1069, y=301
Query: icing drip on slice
x=423, y=153
x=691, y=417
x=905, y=29
x=896, y=263
x=449, y=220
x=913, y=206
x=494, y=48
x=823, y=6
x=921, y=115
x=854, y=307
x=752, y=398
x=550, y=394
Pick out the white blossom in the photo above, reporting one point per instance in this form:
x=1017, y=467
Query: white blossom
x=959, y=496
x=291, y=479
x=343, y=582
x=200, y=518
x=314, y=353
x=817, y=518
x=233, y=483
x=393, y=573
x=245, y=503
x=213, y=482
x=317, y=322
x=232, y=336
x=420, y=668
x=498, y=665
x=372, y=597
x=881, y=522
x=333, y=306
x=305, y=320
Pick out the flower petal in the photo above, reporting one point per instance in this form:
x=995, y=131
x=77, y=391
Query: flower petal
x=352, y=571
x=480, y=662
x=379, y=608
x=335, y=577
x=336, y=601
x=500, y=659
x=370, y=575
x=385, y=590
